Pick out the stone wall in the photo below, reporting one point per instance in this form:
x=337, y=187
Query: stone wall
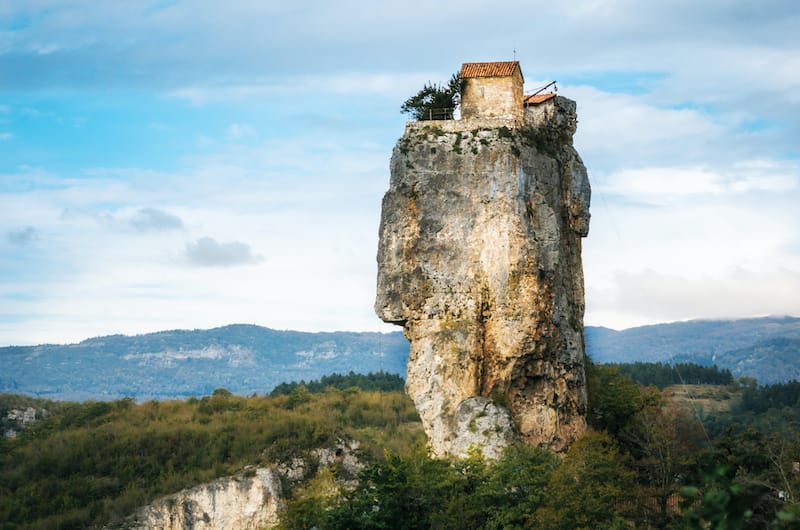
x=461, y=125
x=492, y=97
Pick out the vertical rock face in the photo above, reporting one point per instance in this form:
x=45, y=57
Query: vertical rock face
x=480, y=260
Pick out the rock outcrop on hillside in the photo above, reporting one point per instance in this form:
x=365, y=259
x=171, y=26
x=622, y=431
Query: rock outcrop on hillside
x=16, y=420
x=248, y=501
x=480, y=261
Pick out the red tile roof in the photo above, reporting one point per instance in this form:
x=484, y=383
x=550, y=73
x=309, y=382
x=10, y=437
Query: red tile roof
x=495, y=69
x=535, y=99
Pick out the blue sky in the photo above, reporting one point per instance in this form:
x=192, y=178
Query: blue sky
x=177, y=164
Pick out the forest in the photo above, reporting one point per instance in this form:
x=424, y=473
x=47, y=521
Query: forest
x=381, y=381
x=662, y=375
x=648, y=460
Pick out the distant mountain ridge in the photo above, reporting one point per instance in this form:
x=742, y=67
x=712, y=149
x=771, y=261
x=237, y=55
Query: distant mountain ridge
x=247, y=359
x=244, y=359
x=765, y=348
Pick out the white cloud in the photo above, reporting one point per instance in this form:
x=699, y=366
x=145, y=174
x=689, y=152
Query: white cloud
x=388, y=85
x=619, y=129
x=241, y=131
x=644, y=265
x=660, y=184
x=207, y=252
x=694, y=171
x=649, y=296
x=153, y=219
x=764, y=175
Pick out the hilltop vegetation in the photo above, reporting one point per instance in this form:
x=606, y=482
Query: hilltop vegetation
x=372, y=381
x=648, y=461
x=93, y=462
x=662, y=375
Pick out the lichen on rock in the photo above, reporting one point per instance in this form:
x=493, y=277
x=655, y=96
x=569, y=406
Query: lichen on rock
x=479, y=260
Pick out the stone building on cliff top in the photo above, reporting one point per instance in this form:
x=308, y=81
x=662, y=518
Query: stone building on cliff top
x=492, y=90
x=495, y=90
x=479, y=259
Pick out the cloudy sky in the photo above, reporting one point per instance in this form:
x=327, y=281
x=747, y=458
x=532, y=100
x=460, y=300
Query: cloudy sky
x=189, y=164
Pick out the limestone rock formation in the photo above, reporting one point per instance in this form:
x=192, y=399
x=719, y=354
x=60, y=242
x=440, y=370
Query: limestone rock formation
x=483, y=424
x=17, y=420
x=480, y=260
x=344, y=455
x=248, y=501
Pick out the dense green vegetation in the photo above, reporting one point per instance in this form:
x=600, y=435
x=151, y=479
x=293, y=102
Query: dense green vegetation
x=93, y=462
x=758, y=400
x=773, y=409
x=736, y=465
x=382, y=381
x=662, y=375
x=434, y=102
x=646, y=462
x=419, y=492
x=43, y=408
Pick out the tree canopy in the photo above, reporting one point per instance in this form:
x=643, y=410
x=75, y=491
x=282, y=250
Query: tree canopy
x=647, y=462
x=435, y=102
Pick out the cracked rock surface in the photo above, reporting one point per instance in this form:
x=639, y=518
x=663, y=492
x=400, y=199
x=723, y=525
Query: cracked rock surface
x=479, y=260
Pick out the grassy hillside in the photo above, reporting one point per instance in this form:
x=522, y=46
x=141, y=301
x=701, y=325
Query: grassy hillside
x=703, y=400
x=94, y=462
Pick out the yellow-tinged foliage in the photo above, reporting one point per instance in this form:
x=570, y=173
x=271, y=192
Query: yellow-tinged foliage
x=95, y=462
